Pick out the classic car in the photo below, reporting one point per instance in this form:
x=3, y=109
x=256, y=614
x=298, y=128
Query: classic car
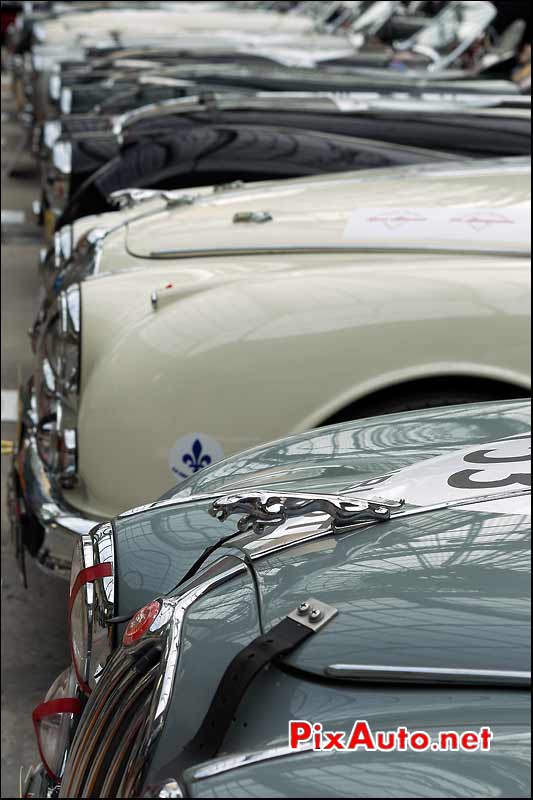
x=247, y=314
x=434, y=50
x=73, y=36
x=367, y=577
x=94, y=244
x=100, y=71
x=170, y=152
x=83, y=152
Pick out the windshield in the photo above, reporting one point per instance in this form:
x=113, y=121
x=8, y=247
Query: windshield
x=454, y=30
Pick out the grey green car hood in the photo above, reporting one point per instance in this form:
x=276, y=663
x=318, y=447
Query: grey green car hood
x=409, y=453
x=411, y=573
x=446, y=588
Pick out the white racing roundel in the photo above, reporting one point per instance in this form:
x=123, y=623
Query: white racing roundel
x=482, y=470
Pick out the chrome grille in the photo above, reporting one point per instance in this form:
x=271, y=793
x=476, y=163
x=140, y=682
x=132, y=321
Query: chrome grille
x=111, y=724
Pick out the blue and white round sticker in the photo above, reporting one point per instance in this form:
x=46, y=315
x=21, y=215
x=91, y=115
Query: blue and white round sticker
x=192, y=453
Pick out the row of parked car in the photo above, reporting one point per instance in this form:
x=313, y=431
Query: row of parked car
x=277, y=222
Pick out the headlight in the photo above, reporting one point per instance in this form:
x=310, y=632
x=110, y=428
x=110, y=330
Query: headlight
x=57, y=382
x=91, y=604
x=65, y=100
x=39, y=33
x=54, y=722
x=54, y=86
x=51, y=133
x=80, y=612
x=62, y=157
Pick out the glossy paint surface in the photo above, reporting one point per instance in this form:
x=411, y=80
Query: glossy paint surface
x=318, y=207
x=157, y=544
x=502, y=772
x=186, y=155
x=448, y=588
x=263, y=330
x=277, y=696
x=262, y=337
x=317, y=212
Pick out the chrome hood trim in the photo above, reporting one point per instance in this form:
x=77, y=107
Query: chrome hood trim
x=328, y=248
x=228, y=763
x=429, y=675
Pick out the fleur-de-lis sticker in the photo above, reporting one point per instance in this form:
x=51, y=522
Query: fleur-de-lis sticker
x=196, y=460
x=192, y=453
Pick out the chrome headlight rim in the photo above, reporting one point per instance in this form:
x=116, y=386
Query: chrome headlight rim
x=65, y=690
x=69, y=309
x=62, y=247
x=58, y=386
x=92, y=589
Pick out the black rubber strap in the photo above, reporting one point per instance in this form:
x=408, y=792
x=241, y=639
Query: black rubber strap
x=281, y=639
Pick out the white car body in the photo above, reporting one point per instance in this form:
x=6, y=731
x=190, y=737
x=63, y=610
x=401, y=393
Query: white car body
x=161, y=22
x=359, y=283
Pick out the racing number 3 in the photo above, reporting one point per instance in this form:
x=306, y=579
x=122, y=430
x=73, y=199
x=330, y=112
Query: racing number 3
x=463, y=479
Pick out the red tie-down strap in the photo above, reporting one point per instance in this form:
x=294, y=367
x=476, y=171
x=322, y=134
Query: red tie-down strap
x=87, y=575
x=62, y=705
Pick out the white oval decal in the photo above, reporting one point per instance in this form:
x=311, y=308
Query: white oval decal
x=476, y=471
x=192, y=453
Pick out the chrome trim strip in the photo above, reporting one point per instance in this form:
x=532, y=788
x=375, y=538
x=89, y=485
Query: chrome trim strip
x=104, y=553
x=373, y=101
x=229, y=763
x=328, y=248
x=168, y=627
x=176, y=609
x=368, y=672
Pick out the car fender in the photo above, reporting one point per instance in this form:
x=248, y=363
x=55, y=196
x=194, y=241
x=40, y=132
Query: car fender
x=280, y=352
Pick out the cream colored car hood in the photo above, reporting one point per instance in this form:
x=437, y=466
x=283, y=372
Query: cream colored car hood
x=163, y=23
x=473, y=207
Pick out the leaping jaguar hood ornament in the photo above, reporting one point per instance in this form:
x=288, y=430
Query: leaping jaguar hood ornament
x=259, y=509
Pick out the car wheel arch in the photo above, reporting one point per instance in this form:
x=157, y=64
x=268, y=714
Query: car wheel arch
x=363, y=399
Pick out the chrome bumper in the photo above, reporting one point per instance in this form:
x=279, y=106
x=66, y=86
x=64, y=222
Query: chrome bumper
x=34, y=496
